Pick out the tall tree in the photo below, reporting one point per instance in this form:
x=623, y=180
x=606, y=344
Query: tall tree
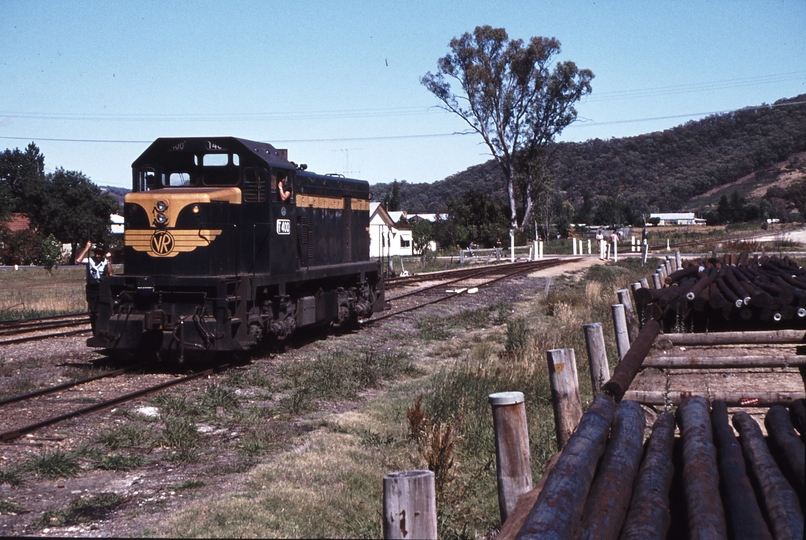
x=75, y=210
x=512, y=98
x=22, y=176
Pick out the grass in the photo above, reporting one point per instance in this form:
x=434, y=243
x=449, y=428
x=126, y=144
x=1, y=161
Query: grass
x=119, y=462
x=11, y=477
x=10, y=507
x=31, y=293
x=328, y=481
x=321, y=474
x=131, y=435
x=56, y=464
x=340, y=375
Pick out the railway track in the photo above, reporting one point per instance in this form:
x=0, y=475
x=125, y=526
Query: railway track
x=22, y=414
x=479, y=278
x=22, y=330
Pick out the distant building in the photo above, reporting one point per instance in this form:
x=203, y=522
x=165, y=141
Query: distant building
x=386, y=237
x=678, y=218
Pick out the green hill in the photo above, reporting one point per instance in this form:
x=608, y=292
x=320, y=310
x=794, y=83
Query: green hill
x=684, y=168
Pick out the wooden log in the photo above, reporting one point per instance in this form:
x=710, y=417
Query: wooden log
x=715, y=298
x=778, y=499
x=649, y=516
x=517, y=517
x=620, y=327
x=513, y=461
x=633, y=328
x=706, y=516
x=728, y=293
x=680, y=274
x=742, y=512
x=409, y=505
x=597, y=356
x=626, y=370
x=730, y=279
x=565, y=398
x=789, y=448
x=735, y=338
x=696, y=359
x=754, y=398
x=656, y=280
x=609, y=497
x=562, y=499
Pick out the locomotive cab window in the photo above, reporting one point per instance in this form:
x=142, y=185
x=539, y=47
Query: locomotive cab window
x=220, y=169
x=281, y=183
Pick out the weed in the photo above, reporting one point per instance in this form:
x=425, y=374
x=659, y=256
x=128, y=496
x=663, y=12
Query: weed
x=175, y=405
x=56, y=464
x=439, y=455
x=11, y=477
x=251, y=377
x=119, y=462
x=502, y=312
x=218, y=396
x=10, y=507
x=418, y=421
x=183, y=456
x=256, y=444
x=341, y=375
x=126, y=436
x=518, y=339
x=180, y=433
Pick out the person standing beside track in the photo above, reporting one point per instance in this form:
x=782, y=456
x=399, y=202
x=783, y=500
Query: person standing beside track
x=98, y=266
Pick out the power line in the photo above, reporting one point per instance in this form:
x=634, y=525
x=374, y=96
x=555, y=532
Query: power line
x=582, y=123
x=394, y=111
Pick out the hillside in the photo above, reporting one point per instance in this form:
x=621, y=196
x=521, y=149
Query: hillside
x=670, y=170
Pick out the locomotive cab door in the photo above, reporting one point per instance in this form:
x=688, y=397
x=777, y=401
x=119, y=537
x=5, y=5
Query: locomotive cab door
x=283, y=217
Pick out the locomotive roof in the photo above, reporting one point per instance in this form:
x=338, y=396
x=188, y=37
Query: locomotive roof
x=203, y=145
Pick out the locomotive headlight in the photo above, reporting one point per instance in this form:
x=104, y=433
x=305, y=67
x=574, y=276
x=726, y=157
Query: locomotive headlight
x=162, y=206
x=162, y=219
x=195, y=209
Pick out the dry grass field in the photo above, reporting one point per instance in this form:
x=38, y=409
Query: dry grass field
x=33, y=292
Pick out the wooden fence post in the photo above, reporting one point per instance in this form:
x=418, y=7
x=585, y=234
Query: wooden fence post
x=597, y=356
x=565, y=398
x=409, y=505
x=632, y=318
x=622, y=334
x=513, y=461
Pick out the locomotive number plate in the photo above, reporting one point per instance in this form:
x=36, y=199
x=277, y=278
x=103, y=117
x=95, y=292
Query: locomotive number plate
x=283, y=226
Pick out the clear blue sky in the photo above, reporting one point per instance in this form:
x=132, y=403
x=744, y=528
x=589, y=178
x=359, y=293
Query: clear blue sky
x=337, y=83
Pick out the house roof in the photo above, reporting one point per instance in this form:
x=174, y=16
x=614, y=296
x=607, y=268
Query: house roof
x=17, y=222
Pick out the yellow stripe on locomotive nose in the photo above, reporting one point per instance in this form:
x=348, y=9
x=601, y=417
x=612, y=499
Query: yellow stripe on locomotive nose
x=179, y=198
x=169, y=242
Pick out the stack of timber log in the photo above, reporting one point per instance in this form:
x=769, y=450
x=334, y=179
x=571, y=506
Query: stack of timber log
x=707, y=483
x=728, y=292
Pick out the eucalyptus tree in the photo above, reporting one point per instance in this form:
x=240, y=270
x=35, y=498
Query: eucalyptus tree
x=511, y=96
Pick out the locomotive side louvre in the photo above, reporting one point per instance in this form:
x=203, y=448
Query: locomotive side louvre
x=214, y=260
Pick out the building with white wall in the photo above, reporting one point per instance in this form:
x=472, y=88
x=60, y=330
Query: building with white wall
x=386, y=237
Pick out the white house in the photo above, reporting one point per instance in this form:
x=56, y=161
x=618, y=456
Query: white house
x=386, y=237
x=678, y=218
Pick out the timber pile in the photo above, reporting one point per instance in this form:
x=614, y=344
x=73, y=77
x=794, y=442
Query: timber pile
x=729, y=292
x=707, y=483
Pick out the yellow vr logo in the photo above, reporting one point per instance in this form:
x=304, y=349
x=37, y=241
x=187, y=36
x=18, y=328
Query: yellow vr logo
x=162, y=243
